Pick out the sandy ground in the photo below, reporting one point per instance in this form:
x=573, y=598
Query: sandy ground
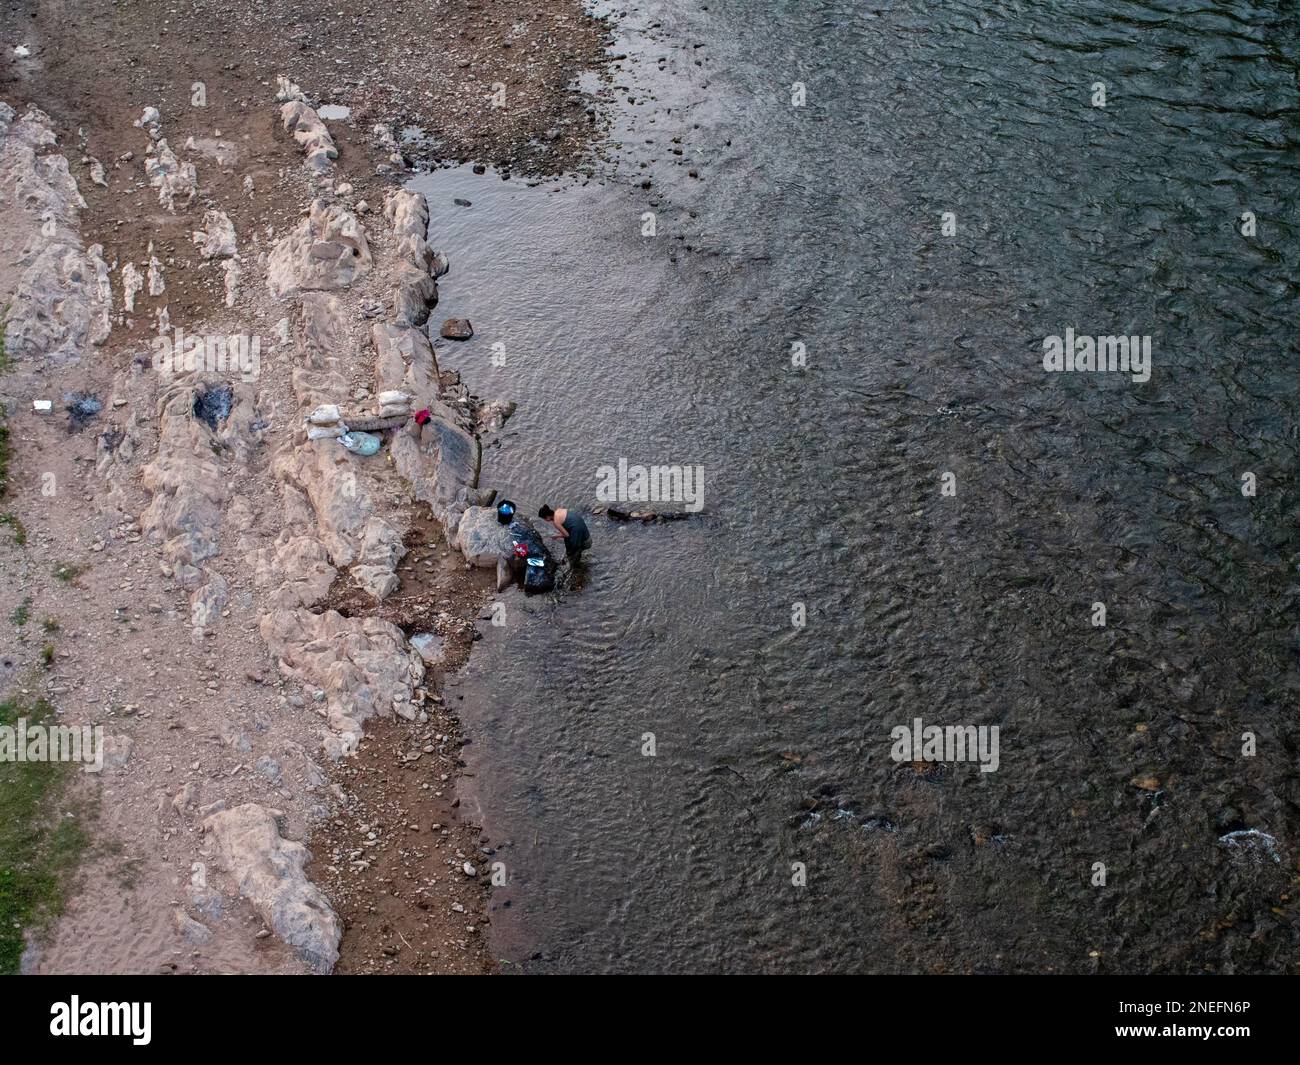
x=207, y=720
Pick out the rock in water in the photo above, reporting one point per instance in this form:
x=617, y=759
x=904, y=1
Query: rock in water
x=457, y=329
x=269, y=872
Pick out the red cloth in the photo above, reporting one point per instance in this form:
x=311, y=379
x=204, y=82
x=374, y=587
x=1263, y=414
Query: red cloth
x=422, y=416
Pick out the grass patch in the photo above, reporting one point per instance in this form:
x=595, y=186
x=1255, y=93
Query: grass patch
x=67, y=572
x=22, y=612
x=47, y=655
x=20, y=532
x=39, y=846
x=50, y=625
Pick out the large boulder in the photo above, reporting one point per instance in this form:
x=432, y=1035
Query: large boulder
x=269, y=872
x=481, y=538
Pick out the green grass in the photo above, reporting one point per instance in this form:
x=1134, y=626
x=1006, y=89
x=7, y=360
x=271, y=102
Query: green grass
x=67, y=572
x=47, y=655
x=39, y=846
x=50, y=624
x=22, y=612
x=20, y=532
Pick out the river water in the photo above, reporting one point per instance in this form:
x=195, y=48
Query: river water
x=1120, y=745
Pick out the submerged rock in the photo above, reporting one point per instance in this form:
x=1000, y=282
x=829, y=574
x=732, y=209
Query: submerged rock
x=1251, y=845
x=457, y=329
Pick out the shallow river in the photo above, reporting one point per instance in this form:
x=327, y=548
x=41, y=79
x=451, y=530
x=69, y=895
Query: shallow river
x=947, y=512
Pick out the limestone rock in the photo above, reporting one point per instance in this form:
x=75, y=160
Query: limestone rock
x=326, y=251
x=301, y=566
x=416, y=290
x=362, y=664
x=268, y=870
x=310, y=133
x=217, y=240
x=175, y=181
x=61, y=293
x=431, y=647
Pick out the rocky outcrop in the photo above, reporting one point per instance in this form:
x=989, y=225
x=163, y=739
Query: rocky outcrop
x=309, y=131
x=363, y=667
x=268, y=871
x=189, y=480
x=340, y=514
x=344, y=518
x=415, y=289
x=299, y=569
x=58, y=293
x=217, y=240
x=325, y=252
x=176, y=182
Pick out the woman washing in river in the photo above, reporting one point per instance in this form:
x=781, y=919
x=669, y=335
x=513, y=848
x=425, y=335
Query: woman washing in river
x=572, y=530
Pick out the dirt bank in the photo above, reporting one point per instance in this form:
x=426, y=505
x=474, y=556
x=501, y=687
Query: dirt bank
x=230, y=600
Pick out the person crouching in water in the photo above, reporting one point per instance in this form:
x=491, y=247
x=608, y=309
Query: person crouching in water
x=572, y=529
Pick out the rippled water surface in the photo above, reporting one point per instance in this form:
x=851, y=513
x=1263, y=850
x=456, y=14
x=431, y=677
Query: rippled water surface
x=1121, y=744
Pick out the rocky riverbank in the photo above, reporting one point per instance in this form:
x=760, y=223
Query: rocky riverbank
x=195, y=261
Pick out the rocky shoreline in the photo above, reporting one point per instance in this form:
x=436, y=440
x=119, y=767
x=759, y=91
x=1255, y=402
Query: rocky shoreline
x=236, y=593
